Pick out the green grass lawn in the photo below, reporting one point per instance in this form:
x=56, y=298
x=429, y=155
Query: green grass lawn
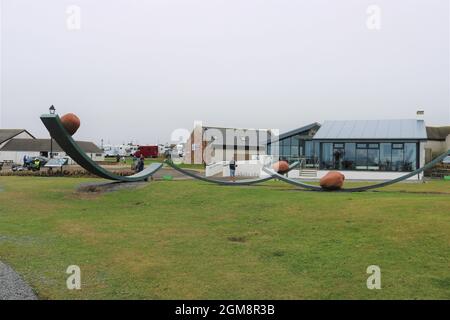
x=192, y=240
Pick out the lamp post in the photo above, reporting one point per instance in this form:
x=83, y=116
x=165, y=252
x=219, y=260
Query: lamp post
x=52, y=110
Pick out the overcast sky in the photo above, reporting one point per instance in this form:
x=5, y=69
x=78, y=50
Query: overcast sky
x=137, y=70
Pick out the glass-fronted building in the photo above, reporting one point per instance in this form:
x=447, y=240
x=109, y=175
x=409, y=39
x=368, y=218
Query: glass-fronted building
x=371, y=145
x=295, y=145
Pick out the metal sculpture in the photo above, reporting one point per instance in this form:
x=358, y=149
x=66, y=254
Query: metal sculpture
x=58, y=132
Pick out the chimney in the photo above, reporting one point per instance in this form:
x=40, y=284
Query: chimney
x=420, y=115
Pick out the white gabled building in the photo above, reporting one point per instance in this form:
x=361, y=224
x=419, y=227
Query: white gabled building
x=7, y=134
x=15, y=149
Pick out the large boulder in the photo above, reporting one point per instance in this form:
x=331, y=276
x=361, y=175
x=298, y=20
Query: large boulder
x=281, y=167
x=333, y=180
x=71, y=123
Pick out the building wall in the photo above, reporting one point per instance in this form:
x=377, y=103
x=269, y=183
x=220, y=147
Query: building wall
x=435, y=148
x=218, y=153
x=193, y=150
x=198, y=150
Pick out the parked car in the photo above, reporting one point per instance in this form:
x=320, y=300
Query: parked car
x=446, y=160
x=17, y=167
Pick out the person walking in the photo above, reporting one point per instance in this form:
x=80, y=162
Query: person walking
x=233, y=167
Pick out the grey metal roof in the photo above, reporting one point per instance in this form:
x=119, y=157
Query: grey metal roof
x=372, y=129
x=7, y=134
x=39, y=145
x=299, y=130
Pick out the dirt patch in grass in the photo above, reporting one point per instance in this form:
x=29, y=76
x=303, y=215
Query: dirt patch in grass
x=103, y=187
x=240, y=239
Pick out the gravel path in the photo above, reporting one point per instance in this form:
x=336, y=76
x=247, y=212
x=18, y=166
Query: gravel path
x=12, y=287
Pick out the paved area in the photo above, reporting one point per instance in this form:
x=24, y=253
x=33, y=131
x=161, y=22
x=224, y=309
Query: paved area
x=12, y=287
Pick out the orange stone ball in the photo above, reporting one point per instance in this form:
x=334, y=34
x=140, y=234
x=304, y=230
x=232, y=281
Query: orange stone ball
x=71, y=123
x=281, y=167
x=333, y=180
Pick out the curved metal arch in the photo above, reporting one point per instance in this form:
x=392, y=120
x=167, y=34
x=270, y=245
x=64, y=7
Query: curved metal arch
x=364, y=188
x=72, y=149
x=245, y=182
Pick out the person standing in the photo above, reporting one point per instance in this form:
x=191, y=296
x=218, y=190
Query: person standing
x=233, y=167
x=140, y=166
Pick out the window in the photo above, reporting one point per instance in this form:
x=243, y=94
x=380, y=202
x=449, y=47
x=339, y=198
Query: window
x=410, y=153
x=327, y=155
x=294, y=150
x=349, y=156
x=338, y=156
x=385, y=156
x=397, y=158
x=316, y=149
x=376, y=156
x=285, y=149
x=309, y=149
x=373, y=159
x=361, y=158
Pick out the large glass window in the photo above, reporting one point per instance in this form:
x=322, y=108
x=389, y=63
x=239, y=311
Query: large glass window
x=385, y=156
x=349, y=156
x=338, y=155
x=373, y=159
x=294, y=147
x=316, y=149
x=327, y=155
x=410, y=153
x=309, y=149
x=397, y=157
x=285, y=148
x=361, y=156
